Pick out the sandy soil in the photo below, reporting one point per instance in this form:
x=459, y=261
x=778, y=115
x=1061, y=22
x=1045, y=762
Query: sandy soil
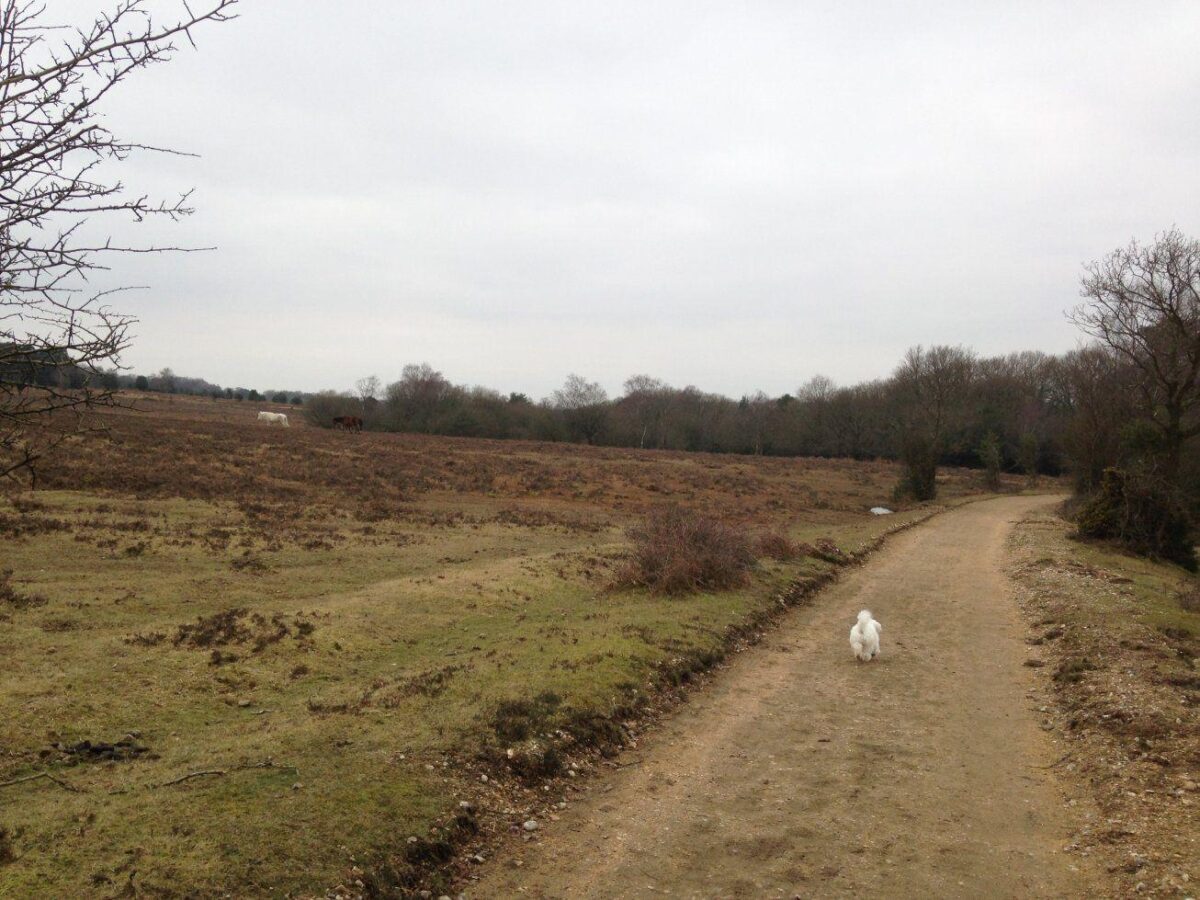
x=801, y=772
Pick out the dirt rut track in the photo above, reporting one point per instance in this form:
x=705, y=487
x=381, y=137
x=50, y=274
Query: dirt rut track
x=802, y=773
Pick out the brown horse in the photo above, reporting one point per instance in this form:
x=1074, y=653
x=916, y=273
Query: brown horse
x=348, y=423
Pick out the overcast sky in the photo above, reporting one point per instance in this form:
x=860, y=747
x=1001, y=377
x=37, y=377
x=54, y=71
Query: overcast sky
x=733, y=195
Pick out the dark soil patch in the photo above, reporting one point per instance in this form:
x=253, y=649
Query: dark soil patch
x=123, y=750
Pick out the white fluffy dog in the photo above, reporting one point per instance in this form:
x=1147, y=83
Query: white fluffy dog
x=864, y=636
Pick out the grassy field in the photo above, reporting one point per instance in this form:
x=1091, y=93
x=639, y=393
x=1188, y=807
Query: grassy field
x=247, y=660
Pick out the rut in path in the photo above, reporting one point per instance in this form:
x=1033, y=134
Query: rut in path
x=801, y=772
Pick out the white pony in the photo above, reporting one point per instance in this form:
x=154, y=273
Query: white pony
x=273, y=418
x=864, y=636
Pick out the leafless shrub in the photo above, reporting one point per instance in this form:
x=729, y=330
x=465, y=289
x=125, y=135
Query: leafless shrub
x=676, y=551
x=774, y=545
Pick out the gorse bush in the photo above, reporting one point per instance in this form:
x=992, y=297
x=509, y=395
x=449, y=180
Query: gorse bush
x=919, y=459
x=1027, y=455
x=1142, y=515
x=676, y=551
x=991, y=457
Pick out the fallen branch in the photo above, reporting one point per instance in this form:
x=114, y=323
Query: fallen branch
x=62, y=784
x=268, y=764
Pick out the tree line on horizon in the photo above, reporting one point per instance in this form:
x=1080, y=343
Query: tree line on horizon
x=1120, y=414
x=1044, y=414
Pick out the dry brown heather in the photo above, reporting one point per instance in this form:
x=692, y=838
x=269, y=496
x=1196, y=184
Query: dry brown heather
x=244, y=659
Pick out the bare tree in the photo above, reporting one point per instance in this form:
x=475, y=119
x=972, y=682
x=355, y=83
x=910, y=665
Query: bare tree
x=369, y=390
x=648, y=398
x=755, y=414
x=818, y=389
x=931, y=388
x=1144, y=303
x=1092, y=392
x=164, y=381
x=419, y=398
x=584, y=405
x=56, y=333
x=815, y=397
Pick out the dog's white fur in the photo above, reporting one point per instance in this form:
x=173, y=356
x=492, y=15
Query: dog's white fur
x=864, y=636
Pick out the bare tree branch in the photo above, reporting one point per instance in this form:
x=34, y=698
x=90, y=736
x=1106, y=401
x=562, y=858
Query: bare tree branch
x=57, y=335
x=1143, y=302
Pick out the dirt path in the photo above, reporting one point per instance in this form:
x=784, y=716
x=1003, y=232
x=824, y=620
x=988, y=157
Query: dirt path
x=802, y=773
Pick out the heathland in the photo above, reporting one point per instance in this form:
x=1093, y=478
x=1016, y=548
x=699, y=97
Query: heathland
x=240, y=658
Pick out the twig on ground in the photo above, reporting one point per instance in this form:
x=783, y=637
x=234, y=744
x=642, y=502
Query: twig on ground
x=190, y=775
x=267, y=764
x=62, y=784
